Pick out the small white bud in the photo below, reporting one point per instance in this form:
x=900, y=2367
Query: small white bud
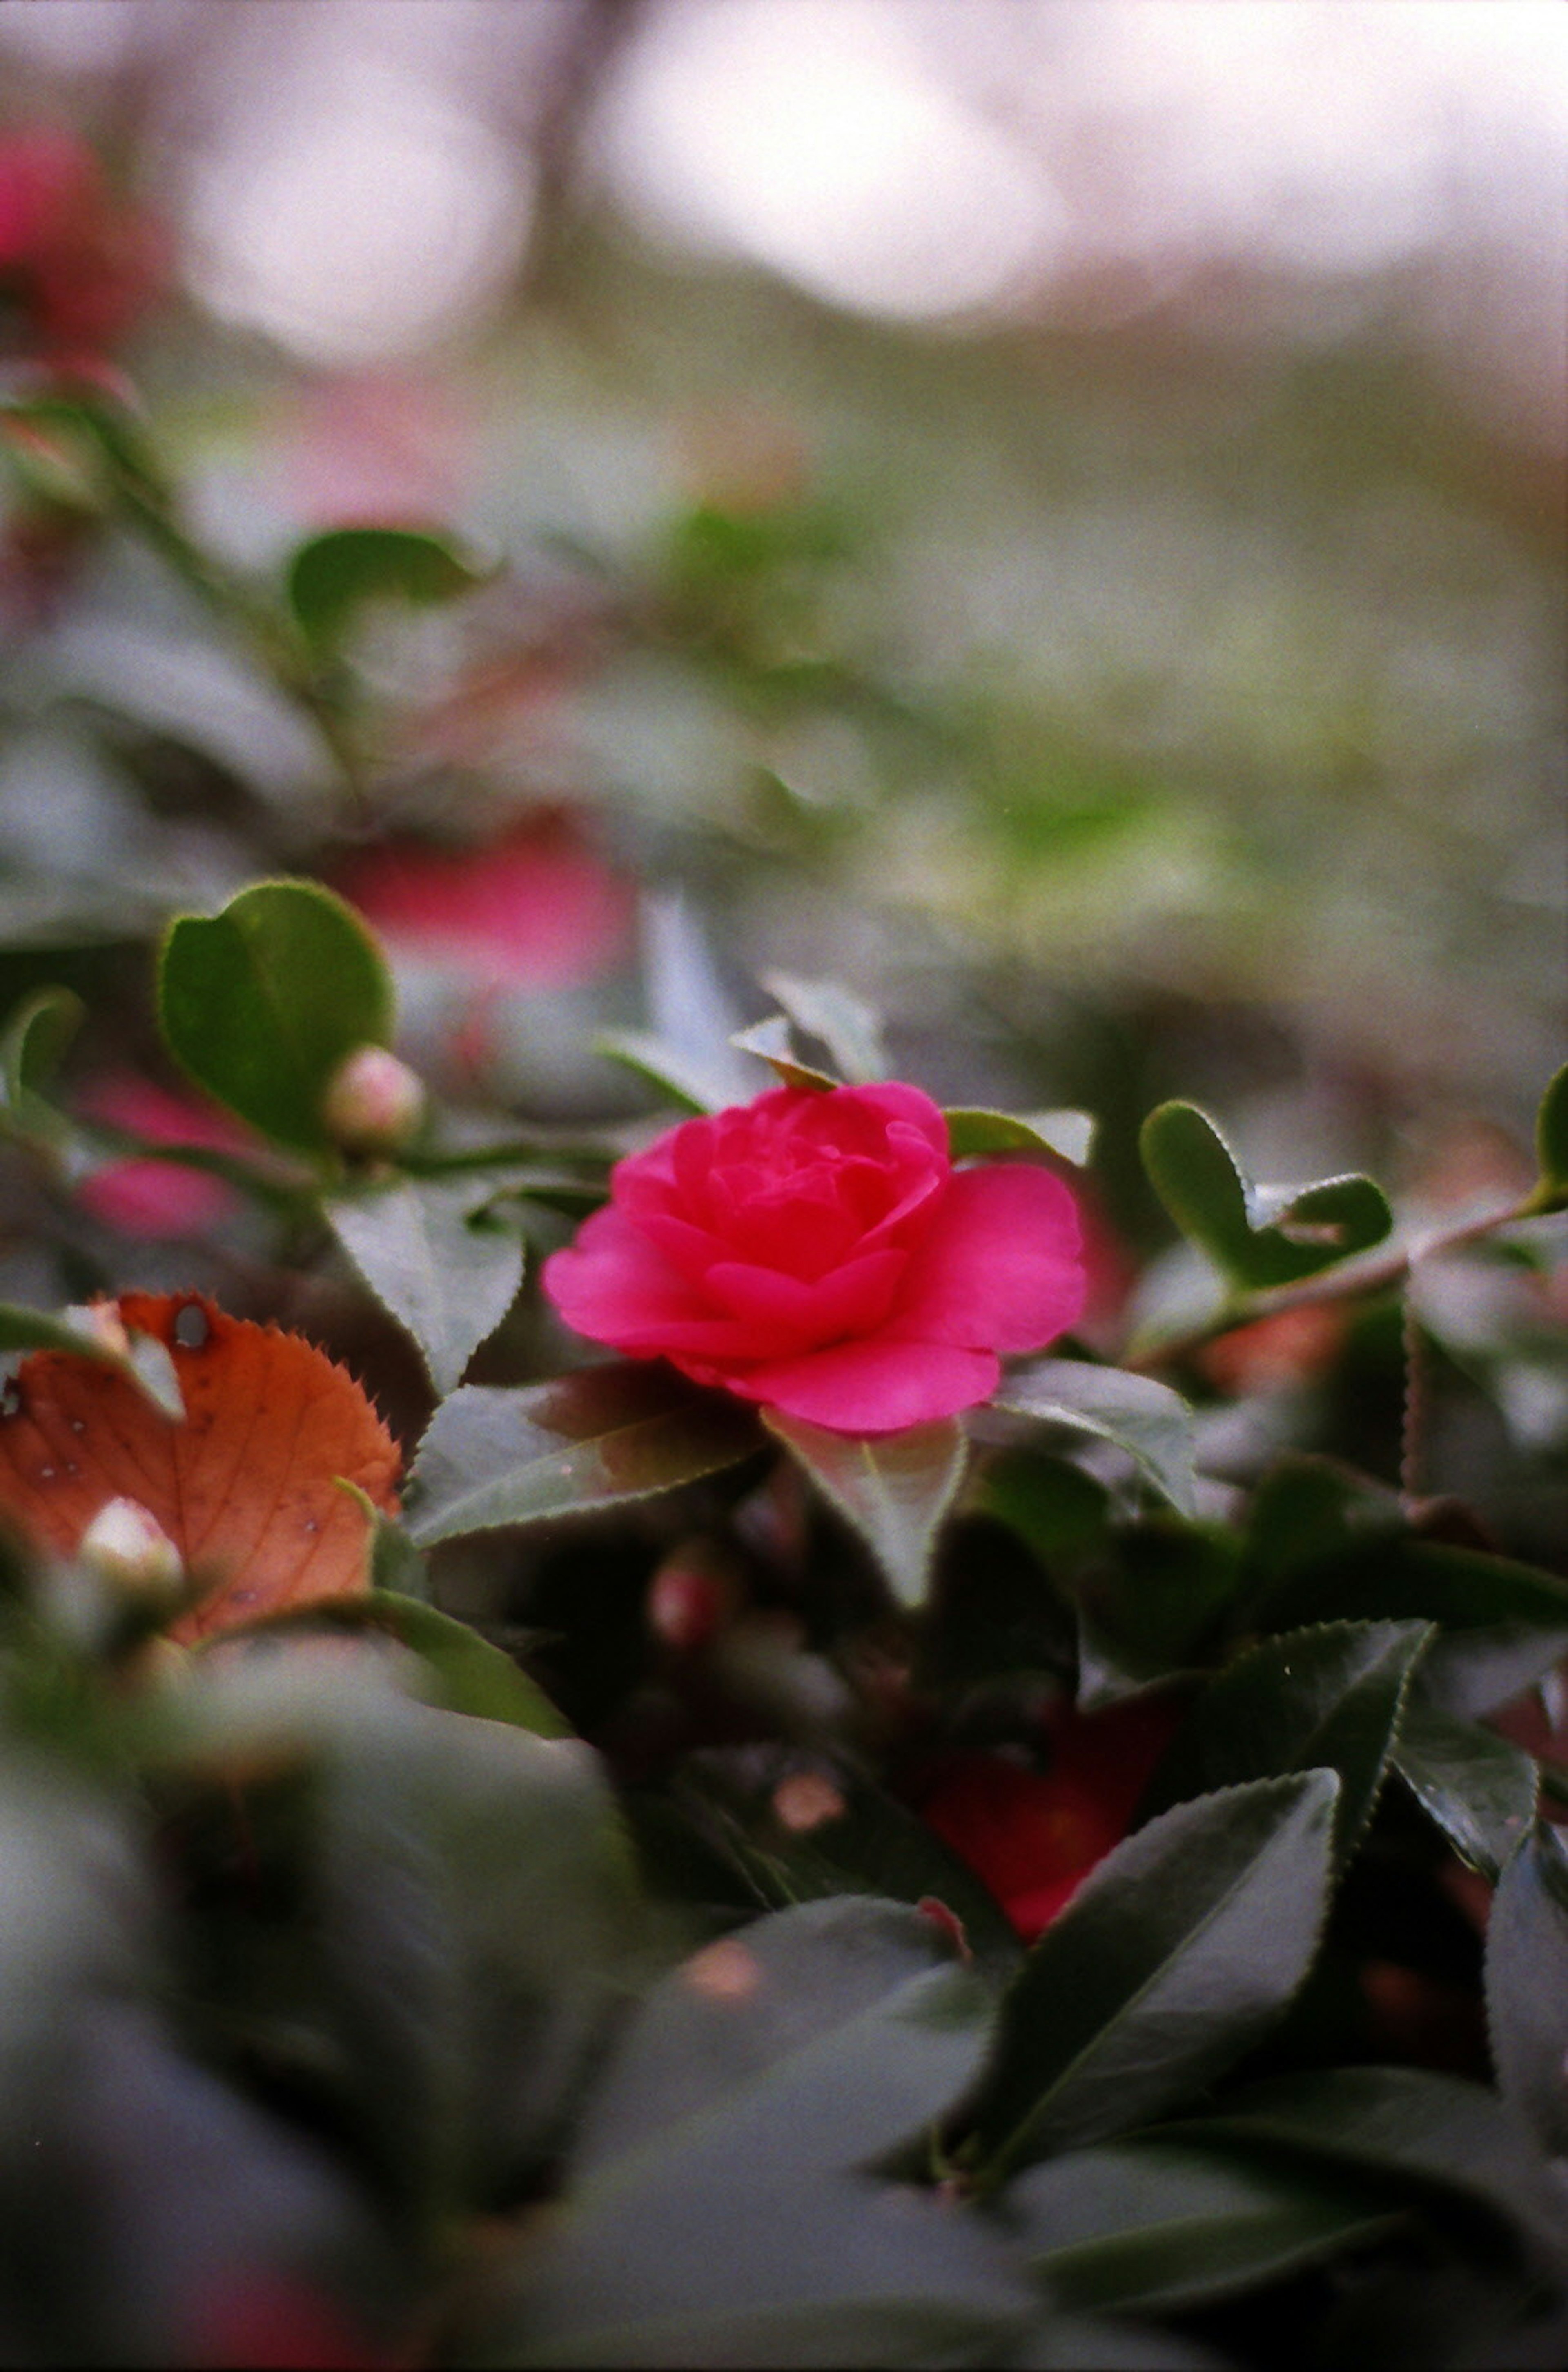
x=374, y=1103
x=129, y=1548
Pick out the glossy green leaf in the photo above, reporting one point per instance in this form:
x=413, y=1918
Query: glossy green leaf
x=261, y=1003
x=1256, y=1236
x=1526, y=1986
x=423, y=1251
x=600, y=1437
x=1416, y=2132
x=1326, y=1699
x=1479, y=1787
x=894, y=1488
x=1068, y=1134
x=144, y=1362
x=1153, y=2228
x=1149, y=1421
x=1551, y=1145
x=849, y=1028
x=35, y=1037
x=335, y=575
x=1171, y=1962
x=712, y=2212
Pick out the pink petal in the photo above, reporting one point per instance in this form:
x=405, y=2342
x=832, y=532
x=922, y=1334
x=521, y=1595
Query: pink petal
x=155, y=1199
x=616, y=1287
x=877, y=1385
x=785, y=1315
x=535, y=907
x=1000, y=1267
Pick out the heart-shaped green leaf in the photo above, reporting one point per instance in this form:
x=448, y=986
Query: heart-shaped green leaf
x=1551, y=1145
x=1149, y=1421
x=493, y=1457
x=261, y=1003
x=1257, y=1236
x=894, y=1488
x=335, y=575
x=423, y=1250
x=1325, y=1699
x=1171, y=1962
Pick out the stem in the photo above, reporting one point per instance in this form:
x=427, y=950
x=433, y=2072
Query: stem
x=1373, y=1273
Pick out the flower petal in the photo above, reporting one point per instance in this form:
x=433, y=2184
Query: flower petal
x=878, y=1386
x=615, y=1286
x=1000, y=1267
x=786, y=1315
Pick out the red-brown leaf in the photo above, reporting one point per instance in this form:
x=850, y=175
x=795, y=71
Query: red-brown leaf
x=245, y=1487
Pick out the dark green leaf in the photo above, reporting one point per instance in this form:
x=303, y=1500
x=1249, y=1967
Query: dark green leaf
x=894, y=1488
x=1551, y=1145
x=1103, y=2343
x=1151, y=2227
x=1526, y=1986
x=1327, y=1699
x=261, y=1003
x=1153, y=1607
x=1171, y=1962
x=715, y=2216
x=849, y=1028
x=1067, y=1133
x=686, y=1079
x=449, y=1280
x=693, y=1021
x=335, y=575
x=1411, y=1580
x=594, y=1439
x=1419, y=2132
x=823, y=2036
x=35, y=1037
x=1479, y=1787
x=1149, y=1421
x=1256, y=1236
x=723, y=2262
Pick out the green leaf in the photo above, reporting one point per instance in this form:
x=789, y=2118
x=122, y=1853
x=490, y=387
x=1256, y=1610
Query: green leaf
x=694, y=1083
x=36, y=1035
x=145, y=1362
x=1526, y=1986
x=1256, y=1236
x=773, y=1041
x=449, y=1281
x=598, y=1438
x=713, y=2213
x=334, y=576
x=1418, y=2132
x=1552, y=1147
x=1326, y=1699
x=1171, y=1962
x=1149, y=1421
x=1069, y=1134
x=1479, y=1788
x=893, y=1488
x=1155, y=1606
x=1153, y=2228
x=261, y=1003
x=849, y=1028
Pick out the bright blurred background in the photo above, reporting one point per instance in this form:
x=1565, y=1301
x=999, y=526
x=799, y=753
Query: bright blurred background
x=1051, y=510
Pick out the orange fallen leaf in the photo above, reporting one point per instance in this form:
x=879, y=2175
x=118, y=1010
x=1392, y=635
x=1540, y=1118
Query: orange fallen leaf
x=245, y=1488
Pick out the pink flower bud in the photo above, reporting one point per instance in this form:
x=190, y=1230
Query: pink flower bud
x=373, y=1103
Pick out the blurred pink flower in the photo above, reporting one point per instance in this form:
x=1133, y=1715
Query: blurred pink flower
x=142, y=1195
x=535, y=909
x=373, y=448
x=77, y=264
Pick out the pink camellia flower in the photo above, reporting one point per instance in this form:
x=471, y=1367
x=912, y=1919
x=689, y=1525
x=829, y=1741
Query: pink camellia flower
x=537, y=908
x=818, y=1251
x=78, y=265
x=142, y=1195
